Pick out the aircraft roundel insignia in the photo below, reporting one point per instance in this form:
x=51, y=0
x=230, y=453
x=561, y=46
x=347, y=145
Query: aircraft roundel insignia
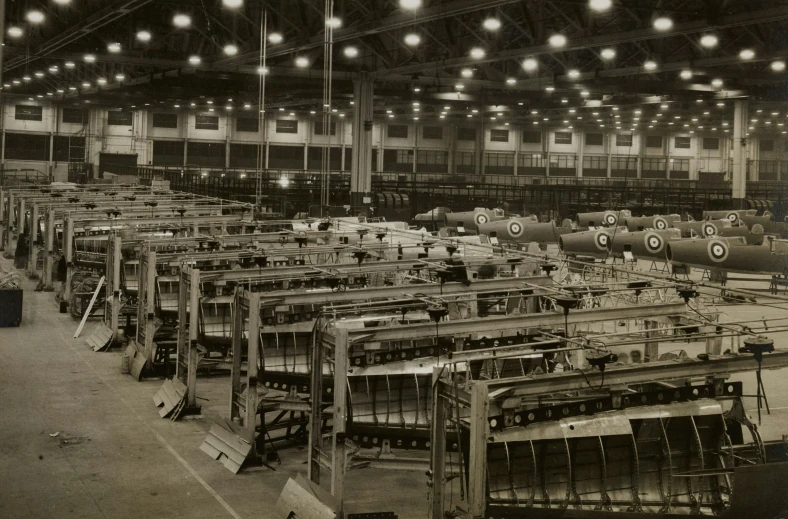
x=602, y=240
x=718, y=251
x=709, y=230
x=654, y=243
x=733, y=217
x=611, y=219
x=515, y=229
x=481, y=218
x=660, y=223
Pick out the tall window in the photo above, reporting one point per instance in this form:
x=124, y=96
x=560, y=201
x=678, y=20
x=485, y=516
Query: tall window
x=320, y=128
x=206, y=122
x=711, y=143
x=247, y=124
x=286, y=126
x=69, y=148
x=29, y=113
x=594, y=139
x=532, y=137
x=653, y=141
x=405, y=156
x=563, y=138
x=466, y=134
x=624, y=139
x=75, y=116
x=119, y=118
x=397, y=131
x=766, y=145
x=682, y=142
x=432, y=132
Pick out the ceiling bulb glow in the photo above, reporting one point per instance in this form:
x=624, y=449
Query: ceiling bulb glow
x=530, y=64
x=477, y=53
x=53, y=69
x=585, y=93
x=412, y=39
x=459, y=86
x=550, y=88
x=557, y=40
x=62, y=2
x=120, y=77
x=351, y=52
x=410, y=4
x=747, y=54
x=113, y=47
x=491, y=24
x=333, y=23
x=663, y=23
x=39, y=74
x=195, y=60
x=466, y=72
x=90, y=58
x=143, y=36
x=231, y=50
x=275, y=38
x=709, y=40
x=574, y=73
x=35, y=16
x=686, y=74
x=15, y=32
x=511, y=81
x=301, y=62
x=262, y=70
x=86, y=84
x=608, y=53
x=600, y=5
x=716, y=82
x=181, y=20
x=650, y=65
x=101, y=81
x=26, y=78
x=232, y=4
x=778, y=66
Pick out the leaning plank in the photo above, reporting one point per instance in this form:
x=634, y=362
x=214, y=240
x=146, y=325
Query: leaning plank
x=170, y=397
x=90, y=307
x=224, y=445
x=101, y=338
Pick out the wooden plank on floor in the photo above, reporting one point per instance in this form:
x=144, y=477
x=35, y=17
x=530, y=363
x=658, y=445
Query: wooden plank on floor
x=101, y=338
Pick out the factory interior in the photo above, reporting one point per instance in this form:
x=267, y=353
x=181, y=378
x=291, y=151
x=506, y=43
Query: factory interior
x=393, y=259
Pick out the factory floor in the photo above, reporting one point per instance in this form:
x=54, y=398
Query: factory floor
x=78, y=439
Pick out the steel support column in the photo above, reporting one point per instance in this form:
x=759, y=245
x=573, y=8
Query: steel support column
x=740, y=141
x=361, y=167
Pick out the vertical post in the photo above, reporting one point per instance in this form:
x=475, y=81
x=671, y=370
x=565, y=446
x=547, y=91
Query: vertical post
x=341, y=346
x=477, y=459
x=652, y=346
x=184, y=331
x=316, y=414
x=194, y=318
x=361, y=165
x=9, y=224
x=32, y=238
x=235, y=376
x=251, y=369
x=149, y=308
x=68, y=252
x=580, y=149
x=49, y=243
x=116, y=261
x=438, y=451
x=740, y=141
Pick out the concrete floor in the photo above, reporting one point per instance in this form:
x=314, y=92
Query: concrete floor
x=113, y=457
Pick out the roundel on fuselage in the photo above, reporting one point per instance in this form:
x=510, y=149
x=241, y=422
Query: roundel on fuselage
x=718, y=251
x=733, y=217
x=515, y=228
x=481, y=218
x=660, y=223
x=709, y=229
x=611, y=219
x=602, y=240
x=654, y=243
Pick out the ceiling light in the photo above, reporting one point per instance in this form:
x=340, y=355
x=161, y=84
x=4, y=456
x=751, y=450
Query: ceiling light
x=39, y=74
x=114, y=47
x=120, y=77
x=275, y=38
x=686, y=74
x=530, y=64
x=412, y=39
x=721, y=103
x=778, y=66
x=101, y=81
x=26, y=78
x=717, y=82
x=549, y=88
x=16, y=81
x=608, y=53
x=663, y=106
x=35, y=16
x=232, y=4
x=650, y=65
x=663, y=23
x=459, y=86
x=491, y=24
x=90, y=58
x=600, y=5
x=262, y=70
x=62, y=2
x=511, y=81
x=709, y=40
x=410, y=4
x=415, y=89
x=333, y=23
x=195, y=60
x=350, y=52
x=557, y=40
x=585, y=93
x=53, y=69
x=301, y=62
x=143, y=36
x=466, y=72
x=15, y=32
x=230, y=49
x=475, y=111
x=86, y=84
x=181, y=20
x=477, y=53
x=574, y=73
x=747, y=54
